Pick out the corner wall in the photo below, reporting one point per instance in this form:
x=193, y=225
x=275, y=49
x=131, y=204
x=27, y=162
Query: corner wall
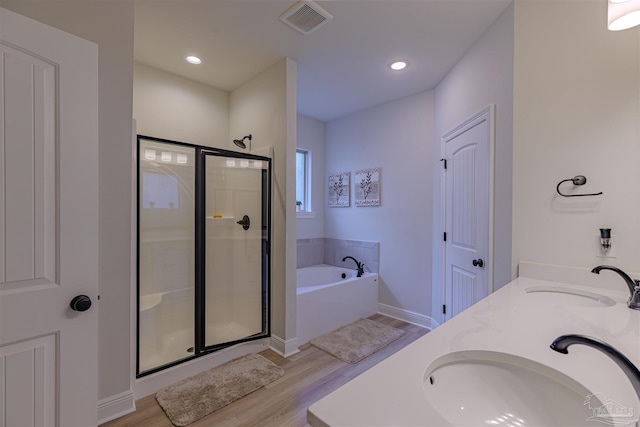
x=266, y=108
x=398, y=138
x=483, y=76
x=576, y=112
x=171, y=107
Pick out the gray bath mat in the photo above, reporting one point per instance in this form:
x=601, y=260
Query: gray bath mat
x=354, y=342
x=196, y=397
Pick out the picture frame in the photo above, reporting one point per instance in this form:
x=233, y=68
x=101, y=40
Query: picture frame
x=367, y=187
x=339, y=190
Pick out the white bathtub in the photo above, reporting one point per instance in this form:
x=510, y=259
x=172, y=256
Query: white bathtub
x=326, y=300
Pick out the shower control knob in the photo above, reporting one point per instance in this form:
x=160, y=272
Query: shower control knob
x=478, y=262
x=245, y=222
x=80, y=303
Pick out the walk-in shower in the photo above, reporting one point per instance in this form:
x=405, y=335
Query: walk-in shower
x=203, y=250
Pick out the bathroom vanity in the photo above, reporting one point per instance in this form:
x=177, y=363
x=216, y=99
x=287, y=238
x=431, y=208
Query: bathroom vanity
x=493, y=365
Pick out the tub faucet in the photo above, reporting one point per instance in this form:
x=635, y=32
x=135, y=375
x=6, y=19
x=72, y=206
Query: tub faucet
x=634, y=285
x=561, y=343
x=359, y=264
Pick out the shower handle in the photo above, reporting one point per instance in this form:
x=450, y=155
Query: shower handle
x=245, y=222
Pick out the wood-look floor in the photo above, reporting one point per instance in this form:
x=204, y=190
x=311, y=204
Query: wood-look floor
x=309, y=375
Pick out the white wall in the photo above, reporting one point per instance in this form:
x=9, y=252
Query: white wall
x=483, y=76
x=576, y=112
x=311, y=137
x=266, y=108
x=110, y=25
x=398, y=138
x=171, y=107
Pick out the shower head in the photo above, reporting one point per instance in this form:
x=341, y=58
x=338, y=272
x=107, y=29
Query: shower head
x=240, y=142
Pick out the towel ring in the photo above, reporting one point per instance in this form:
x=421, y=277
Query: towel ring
x=577, y=180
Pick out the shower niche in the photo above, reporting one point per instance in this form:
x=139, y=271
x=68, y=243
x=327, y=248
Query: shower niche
x=203, y=251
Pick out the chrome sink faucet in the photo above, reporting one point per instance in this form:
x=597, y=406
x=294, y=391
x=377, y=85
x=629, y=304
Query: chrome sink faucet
x=358, y=264
x=634, y=285
x=561, y=343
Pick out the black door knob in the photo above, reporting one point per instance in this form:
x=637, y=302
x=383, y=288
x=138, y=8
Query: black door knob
x=478, y=262
x=80, y=303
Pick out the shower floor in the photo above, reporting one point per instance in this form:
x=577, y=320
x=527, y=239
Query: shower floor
x=176, y=345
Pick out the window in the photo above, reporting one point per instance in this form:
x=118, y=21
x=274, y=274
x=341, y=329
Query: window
x=303, y=180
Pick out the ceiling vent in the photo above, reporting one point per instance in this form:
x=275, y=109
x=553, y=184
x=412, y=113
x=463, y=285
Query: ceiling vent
x=305, y=16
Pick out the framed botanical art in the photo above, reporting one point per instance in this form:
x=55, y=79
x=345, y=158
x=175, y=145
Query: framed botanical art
x=367, y=187
x=339, y=184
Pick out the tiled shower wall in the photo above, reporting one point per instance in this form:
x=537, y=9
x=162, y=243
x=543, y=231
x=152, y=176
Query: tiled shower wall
x=331, y=251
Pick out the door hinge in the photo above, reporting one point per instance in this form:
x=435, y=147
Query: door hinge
x=444, y=163
x=444, y=309
x=445, y=236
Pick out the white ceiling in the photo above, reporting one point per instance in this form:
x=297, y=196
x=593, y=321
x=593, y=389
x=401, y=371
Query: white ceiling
x=342, y=66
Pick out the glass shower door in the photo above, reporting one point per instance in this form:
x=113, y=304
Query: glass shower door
x=166, y=236
x=203, y=248
x=236, y=244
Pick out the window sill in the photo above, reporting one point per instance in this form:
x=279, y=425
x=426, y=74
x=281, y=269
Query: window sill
x=305, y=214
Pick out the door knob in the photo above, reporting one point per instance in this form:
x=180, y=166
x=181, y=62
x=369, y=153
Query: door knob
x=478, y=262
x=80, y=303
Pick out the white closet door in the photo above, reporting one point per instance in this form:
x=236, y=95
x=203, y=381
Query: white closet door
x=467, y=223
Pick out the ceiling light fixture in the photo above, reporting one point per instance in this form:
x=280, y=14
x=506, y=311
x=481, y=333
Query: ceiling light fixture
x=623, y=14
x=398, y=65
x=193, y=60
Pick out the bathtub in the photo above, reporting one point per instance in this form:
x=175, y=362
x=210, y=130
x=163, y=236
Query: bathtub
x=329, y=297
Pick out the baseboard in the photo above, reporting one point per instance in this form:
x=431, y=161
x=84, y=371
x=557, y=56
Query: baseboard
x=408, y=316
x=284, y=348
x=116, y=406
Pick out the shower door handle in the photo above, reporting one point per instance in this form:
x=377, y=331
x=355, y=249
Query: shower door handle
x=245, y=222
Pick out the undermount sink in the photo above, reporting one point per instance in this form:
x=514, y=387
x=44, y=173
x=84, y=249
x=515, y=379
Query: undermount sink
x=571, y=296
x=484, y=388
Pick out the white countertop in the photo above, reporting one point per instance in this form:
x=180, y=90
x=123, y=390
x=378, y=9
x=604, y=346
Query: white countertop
x=510, y=321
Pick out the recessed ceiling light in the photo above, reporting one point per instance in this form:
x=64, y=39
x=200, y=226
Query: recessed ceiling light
x=193, y=60
x=398, y=65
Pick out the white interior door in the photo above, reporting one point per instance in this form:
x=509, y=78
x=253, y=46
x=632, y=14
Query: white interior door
x=48, y=225
x=467, y=213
